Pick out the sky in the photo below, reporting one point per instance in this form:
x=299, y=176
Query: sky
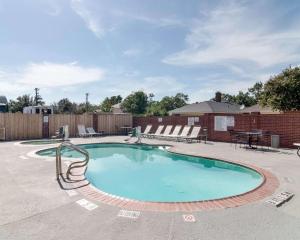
x=71, y=47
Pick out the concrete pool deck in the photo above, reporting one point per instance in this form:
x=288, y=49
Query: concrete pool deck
x=32, y=205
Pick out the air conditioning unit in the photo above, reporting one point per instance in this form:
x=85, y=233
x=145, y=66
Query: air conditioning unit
x=275, y=141
x=2, y=133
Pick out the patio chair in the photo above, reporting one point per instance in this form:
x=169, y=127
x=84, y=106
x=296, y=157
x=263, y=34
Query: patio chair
x=146, y=131
x=237, y=138
x=184, y=133
x=66, y=133
x=175, y=133
x=82, y=131
x=204, y=135
x=92, y=132
x=194, y=134
x=157, y=132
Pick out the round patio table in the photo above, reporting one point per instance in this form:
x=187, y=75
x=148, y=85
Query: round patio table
x=126, y=129
x=250, y=136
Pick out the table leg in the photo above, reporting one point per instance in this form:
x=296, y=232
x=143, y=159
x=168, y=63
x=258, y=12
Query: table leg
x=250, y=141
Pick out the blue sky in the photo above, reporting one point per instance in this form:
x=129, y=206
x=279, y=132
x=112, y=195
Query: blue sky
x=70, y=47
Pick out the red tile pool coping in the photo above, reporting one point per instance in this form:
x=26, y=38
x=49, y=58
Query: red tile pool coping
x=267, y=188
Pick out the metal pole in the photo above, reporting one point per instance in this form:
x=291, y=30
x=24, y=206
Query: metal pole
x=86, y=101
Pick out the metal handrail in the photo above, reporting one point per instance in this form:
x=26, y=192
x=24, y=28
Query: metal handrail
x=77, y=164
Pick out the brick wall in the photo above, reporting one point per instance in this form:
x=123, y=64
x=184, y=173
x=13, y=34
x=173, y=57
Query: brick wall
x=286, y=125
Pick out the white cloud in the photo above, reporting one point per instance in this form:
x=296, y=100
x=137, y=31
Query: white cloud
x=47, y=75
x=53, y=75
x=159, y=85
x=108, y=16
x=236, y=33
x=132, y=52
x=164, y=21
x=91, y=21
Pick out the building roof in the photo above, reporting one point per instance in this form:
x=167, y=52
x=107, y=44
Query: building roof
x=3, y=100
x=207, y=107
x=258, y=109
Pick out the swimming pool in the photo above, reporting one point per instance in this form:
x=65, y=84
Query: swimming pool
x=150, y=173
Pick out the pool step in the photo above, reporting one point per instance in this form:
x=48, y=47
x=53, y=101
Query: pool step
x=280, y=199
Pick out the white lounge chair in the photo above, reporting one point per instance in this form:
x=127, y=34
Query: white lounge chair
x=194, y=134
x=92, y=132
x=66, y=133
x=175, y=132
x=146, y=131
x=298, y=146
x=82, y=131
x=157, y=132
x=184, y=133
x=166, y=132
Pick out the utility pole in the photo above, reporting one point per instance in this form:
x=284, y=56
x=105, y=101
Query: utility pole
x=36, y=95
x=86, y=102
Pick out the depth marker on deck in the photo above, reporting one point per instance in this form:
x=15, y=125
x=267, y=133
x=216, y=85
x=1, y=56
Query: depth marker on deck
x=280, y=199
x=188, y=218
x=86, y=204
x=129, y=214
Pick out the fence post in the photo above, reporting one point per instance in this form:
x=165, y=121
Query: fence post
x=95, y=122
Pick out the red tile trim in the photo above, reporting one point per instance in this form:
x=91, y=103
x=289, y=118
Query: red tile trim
x=266, y=189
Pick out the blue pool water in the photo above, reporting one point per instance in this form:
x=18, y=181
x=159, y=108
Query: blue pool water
x=151, y=173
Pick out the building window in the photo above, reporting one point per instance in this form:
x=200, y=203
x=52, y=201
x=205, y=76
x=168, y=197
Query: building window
x=223, y=122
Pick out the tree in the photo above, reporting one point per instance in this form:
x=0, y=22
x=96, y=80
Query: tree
x=136, y=103
x=109, y=102
x=156, y=109
x=256, y=90
x=241, y=98
x=249, y=98
x=38, y=100
x=282, y=92
x=170, y=103
x=20, y=103
x=64, y=106
x=161, y=108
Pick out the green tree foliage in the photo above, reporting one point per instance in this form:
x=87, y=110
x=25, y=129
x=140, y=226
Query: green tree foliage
x=241, y=98
x=109, y=102
x=170, y=103
x=249, y=98
x=256, y=90
x=136, y=103
x=156, y=109
x=38, y=100
x=282, y=92
x=64, y=106
x=21, y=102
x=166, y=104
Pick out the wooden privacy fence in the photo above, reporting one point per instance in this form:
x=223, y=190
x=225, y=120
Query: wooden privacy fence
x=20, y=126
x=112, y=123
x=72, y=120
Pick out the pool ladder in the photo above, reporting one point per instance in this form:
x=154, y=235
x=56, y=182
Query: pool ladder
x=73, y=165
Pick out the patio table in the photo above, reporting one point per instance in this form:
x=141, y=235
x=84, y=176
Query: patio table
x=126, y=129
x=250, y=136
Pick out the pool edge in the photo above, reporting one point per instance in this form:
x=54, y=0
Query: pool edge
x=268, y=186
